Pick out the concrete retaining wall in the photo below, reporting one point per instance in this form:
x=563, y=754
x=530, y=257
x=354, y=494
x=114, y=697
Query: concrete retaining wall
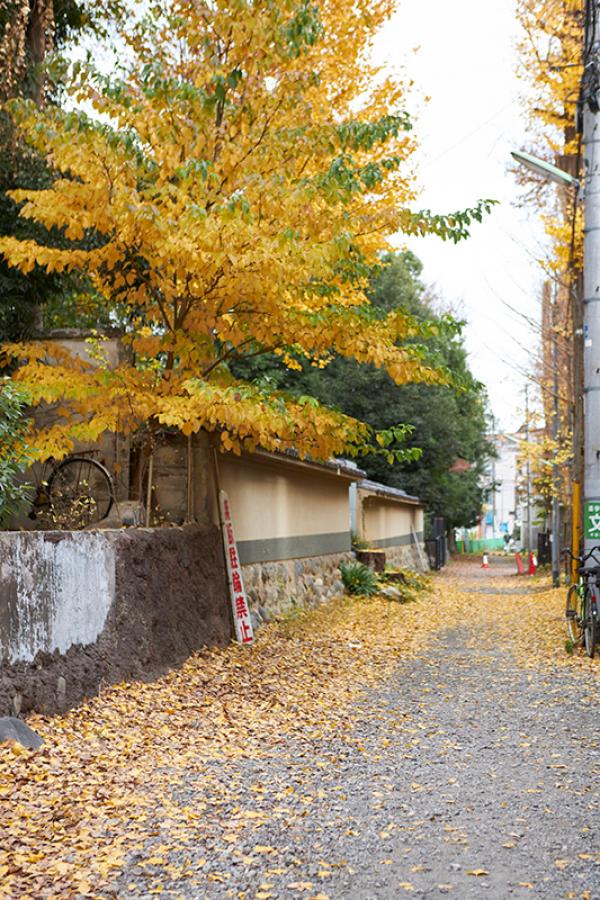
x=56, y=591
x=81, y=609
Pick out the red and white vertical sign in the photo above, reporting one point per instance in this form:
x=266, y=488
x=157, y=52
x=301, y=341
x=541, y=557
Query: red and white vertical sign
x=239, y=603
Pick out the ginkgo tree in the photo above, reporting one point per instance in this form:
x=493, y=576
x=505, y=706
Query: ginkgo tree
x=553, y=62
x=244, y=171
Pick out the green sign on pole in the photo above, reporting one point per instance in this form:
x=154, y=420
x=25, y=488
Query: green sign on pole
x=591, y=519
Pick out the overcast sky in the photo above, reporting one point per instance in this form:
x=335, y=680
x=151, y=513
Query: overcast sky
x=467, y=64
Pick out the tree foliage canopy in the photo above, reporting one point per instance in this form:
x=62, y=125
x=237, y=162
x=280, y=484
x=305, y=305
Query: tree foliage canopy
x=253, y=166
x=561, y=78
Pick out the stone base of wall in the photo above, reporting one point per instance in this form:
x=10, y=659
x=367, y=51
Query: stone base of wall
x=277, y=587
x=407, y=557
x=162, y=594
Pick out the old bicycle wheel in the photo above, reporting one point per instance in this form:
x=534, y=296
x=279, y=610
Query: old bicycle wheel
x=80, y=493
x=574, y=626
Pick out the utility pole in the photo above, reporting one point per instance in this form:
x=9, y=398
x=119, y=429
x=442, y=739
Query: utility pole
x=494, y=477
x=528, y=472
x=591, y=276
x=555, y=472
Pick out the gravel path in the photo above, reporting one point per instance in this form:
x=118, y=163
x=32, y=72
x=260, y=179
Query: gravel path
x=465, y=775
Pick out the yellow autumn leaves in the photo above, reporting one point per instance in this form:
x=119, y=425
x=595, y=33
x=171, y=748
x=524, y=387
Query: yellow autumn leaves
x=84, y=804
x=230, y=201
x=552, y=65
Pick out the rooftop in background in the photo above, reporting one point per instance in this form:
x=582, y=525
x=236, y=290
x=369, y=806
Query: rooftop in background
x=345, y=467
x=383, y=490
x=460, y=465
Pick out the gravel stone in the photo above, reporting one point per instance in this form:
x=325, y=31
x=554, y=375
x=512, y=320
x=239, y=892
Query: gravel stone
x=465, y=774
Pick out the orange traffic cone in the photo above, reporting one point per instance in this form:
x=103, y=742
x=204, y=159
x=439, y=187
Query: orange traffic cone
x=485, y=564
x=520, y=566
x=532, y=564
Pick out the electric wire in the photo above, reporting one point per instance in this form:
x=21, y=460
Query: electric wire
x=525, y=374
x=471, y=133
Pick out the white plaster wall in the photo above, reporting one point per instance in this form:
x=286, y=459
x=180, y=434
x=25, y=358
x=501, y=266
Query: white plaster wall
x=383, y=518
x=55, y=591
x=273, y=498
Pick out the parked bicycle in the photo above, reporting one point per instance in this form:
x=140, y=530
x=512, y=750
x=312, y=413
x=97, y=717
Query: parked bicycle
x=583, y=602
x=76, y=492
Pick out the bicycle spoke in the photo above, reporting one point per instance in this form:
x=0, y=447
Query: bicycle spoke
x=81, y=493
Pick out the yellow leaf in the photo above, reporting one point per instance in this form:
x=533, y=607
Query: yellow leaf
x=17, y=749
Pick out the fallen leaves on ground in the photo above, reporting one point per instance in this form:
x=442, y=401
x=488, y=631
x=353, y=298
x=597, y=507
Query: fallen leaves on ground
x=526, y=616
x=74, y=812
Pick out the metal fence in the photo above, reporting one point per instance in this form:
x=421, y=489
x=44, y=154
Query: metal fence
x=436, y=546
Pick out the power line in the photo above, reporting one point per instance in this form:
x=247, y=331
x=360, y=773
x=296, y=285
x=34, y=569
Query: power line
x=471, y=133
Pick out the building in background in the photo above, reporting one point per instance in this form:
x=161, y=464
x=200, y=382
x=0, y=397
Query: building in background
x=504, y=516
x=502, y=513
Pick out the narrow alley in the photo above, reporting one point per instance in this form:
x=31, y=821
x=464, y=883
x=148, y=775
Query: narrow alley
x=447, y=746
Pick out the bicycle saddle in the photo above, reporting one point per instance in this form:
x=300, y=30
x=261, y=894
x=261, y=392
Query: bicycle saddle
x=591, y=570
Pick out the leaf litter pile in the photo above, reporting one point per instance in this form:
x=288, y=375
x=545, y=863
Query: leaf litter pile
x=75, y=813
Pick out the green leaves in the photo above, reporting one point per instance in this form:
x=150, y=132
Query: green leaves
x=446, y=421
x=344, y=178
x=202, y=169
x=302, y=30
x=14, y=455
x=359, y=579
x=358, y=135
x=397, y=434
x=451, y=226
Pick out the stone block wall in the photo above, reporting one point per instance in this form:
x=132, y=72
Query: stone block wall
x=274, y=588
x=406, y=556
x=83, y=609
